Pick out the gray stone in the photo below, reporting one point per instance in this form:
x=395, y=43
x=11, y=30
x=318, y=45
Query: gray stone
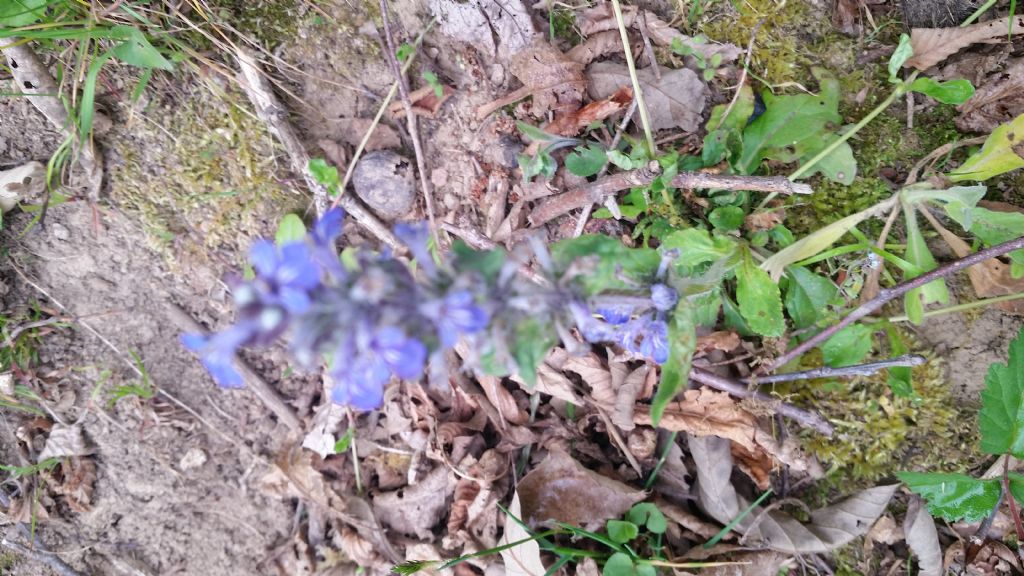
x=386, y=182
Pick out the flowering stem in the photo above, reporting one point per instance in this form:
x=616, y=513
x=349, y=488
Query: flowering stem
x=637, y=92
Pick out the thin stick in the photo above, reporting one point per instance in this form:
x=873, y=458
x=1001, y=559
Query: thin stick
x=887, y=294
x=273, y=114
x=596, y=191
x=641, y=21
x=866, y=369
x=743, y=75
x=871, y=284
x=939, y=152
x=806, y=419
x=962, y=307
x=42, y=556
x=253, y=381
x=410, y=119
x=585, y=215
x=637, y=92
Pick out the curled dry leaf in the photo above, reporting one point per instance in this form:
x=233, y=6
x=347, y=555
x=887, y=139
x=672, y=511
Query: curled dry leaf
x=555, y=82
x=425, y=102
x=999, y=100
x=571, y=124
x=756, y=464
x=600, y=44
x=923, y=538
x=933, y=45
x=844, y=17
x=293, y=476
x=724, y=340
x=691, y=522
x=706, y=412
x=503, y=400
x=75, y=481
x=758, y=221
x=561, y=489
x=358, y=550
x=65, y=441
x=415, y=510
x=601, y=18
x=674, y=101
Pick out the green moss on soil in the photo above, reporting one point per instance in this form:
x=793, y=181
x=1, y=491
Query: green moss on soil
x=271, y=22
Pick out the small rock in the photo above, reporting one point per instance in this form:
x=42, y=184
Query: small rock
x=7, y=383
x=439, y=177
x=59, y=231
x=194, y=458
x=386, y=182
x=506, y=153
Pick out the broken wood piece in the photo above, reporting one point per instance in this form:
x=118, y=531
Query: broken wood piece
x=270, y=111
x=601, y=188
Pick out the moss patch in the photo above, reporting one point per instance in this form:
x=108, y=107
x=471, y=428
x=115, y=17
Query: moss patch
x=271, y=22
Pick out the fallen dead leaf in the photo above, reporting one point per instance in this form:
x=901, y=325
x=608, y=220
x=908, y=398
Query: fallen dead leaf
x=988, y=278
x=65, y=441
x=75, y=480
x=933, y=45
x=425, y=102
x=691, y=522
x=724, y=340
x=844, y=17
x=561, y=489
x=674, y=101
x=758, y=221
x=503, y=400
x=359, y=550
x=747, y=563
x=524, y=559
x=597, y=45
x=415, y=510
x=498, y=28
x=555, y=82
x=706, y=412
x=923, y=538
x=601, y=18
x=999, y=100
x=571, y=124
x=756, y=464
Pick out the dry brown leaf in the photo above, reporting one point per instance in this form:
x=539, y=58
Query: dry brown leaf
x=425, y=102
x=629, y=385
x=503, y=400
x=358, y=549
x=600, y=44
x=674, y=101
x=601, y=18
x=65, y=441
x=75, y=481
x=933, y=45
x=706, y=412
x=595, y=375
x=923, y=538
x=988, y=278
x=555, y=82
x=571, y=124
x=465, y=491
x=524, y=559
x=758, y=221
x=750, y=563
x=689, y=521
x=724, y=340
x=415, y=510
x=587, y=567
x=673, y=479
x=757, y=465
x=294, y=476
x=561, y=489
x=554, y=383
x=1000, y=99
x=26, y=511
x=844, y=17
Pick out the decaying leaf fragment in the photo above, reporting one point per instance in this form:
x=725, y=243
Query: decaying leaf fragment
x=524, y=559
x=923, y=538
x=20, y=183
x=706, y=412
x=674, y=101
x=1000, y=99
x=562, y=490
x=416, y=509
x=571, y=124
x=555, y=82
x=933, y=45
x=425, y=102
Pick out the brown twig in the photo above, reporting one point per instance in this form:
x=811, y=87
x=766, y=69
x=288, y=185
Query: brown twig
x=887, y=294
x=596, y=191
x=273, y=115
x=648, y=49
x=804, y=418
x=585, y=215
x=866, y=369
x=254, y=381
x=1014, y=513
x=410, y=119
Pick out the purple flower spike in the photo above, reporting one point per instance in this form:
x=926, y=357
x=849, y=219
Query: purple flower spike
x=217, y=353
x=328, y=227
x=417, y=238
x=664, y=297
x=456, y=315
x=615, y=316
x=404, y=356
x=655, y=341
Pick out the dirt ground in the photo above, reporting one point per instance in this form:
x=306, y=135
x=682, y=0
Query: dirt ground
x=184, y=482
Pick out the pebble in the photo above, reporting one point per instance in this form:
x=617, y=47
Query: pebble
x=59, y=231
x=194, y=458
x=385, y=181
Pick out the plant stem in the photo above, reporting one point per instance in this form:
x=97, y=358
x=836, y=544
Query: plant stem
x=739, y=518
x=961, y=307
x=866, y=369
x=977, y=13
x=1011, y=500
x=887, y=294
x=661, y=461
x=637, y=92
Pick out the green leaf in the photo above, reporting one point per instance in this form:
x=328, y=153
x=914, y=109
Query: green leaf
x=431, y=79
x=647, y=515
x=325, y=174
x=682, y=340
x=697, y=246
x=530, y=344
x=291, y=229
x=136, y=50
x=343, y=443
x=919, y=255
x=606, y=259
x=899, y=376
x=903, y=52
x=807, y=296
x=15, y=13
x=586, y=161
x=726, y=218
x=759, y=299
x=487, y=263
x=622, y=532
x=796, y=128
x=993, y=227
x=534, y=133
x=1002, y=404
x=724, y=140
x=404, y=52
x=813, y=243
x=621, y=161
x=849, y=346
x=540, y=163
x=954, y=496
x=954, y=92
x=619, y=564
x=1002, y=152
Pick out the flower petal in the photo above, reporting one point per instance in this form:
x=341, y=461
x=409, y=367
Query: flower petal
x=263, y=256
